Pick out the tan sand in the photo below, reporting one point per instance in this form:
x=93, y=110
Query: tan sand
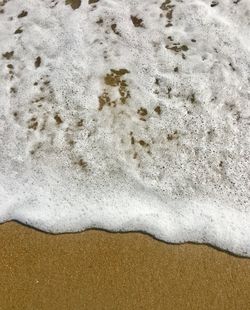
x=100, y=270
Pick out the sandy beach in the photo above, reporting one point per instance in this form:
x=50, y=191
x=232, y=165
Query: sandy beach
x=101, y=270
x=125, y=115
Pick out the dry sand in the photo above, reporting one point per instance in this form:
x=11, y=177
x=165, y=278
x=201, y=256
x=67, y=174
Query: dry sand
x=100, y=270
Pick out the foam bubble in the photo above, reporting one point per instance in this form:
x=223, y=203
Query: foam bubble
x=127, y=115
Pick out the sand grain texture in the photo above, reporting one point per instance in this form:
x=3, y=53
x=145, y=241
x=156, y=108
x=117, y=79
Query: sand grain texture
x=100, y=270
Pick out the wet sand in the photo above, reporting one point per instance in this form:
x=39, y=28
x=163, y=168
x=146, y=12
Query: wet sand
x=101, y=270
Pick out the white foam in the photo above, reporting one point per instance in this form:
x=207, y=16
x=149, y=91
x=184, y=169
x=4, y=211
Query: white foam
x=168, y=154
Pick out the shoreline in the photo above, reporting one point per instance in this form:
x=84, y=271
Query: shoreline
x=102, y=270
x=120, y=232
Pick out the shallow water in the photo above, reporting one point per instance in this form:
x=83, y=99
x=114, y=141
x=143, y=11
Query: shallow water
x=127, y=115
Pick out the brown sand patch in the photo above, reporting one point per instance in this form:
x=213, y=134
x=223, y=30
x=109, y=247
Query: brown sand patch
x=75, y=4
x=100, y=270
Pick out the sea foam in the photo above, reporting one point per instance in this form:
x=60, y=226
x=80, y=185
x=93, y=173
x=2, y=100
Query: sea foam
x=127, y=115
